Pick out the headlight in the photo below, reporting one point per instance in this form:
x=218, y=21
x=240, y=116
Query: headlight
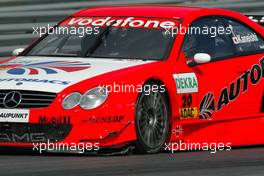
x=94, y=98
x=71, y=100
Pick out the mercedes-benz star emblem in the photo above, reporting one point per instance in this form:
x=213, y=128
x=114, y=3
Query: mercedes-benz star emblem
x=12, y=99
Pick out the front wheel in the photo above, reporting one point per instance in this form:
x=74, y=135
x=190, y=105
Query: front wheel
x=152, y=121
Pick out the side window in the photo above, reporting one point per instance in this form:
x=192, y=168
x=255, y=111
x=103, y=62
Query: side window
x=245, y=39
x=210, y=36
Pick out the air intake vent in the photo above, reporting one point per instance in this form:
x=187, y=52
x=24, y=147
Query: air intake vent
x=24, y=99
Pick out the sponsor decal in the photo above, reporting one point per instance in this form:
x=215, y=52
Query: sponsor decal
x=177, y=131
x=20, y=80
x=186, y=83
x=245, y=38
x=210, y=104
x=25, y=137
x=107, y=119
x=248, y=38
x=188, y=113
x=51, y=67
x=58, y=120
x=207, y=106
x=121, y=22
x=18, y=116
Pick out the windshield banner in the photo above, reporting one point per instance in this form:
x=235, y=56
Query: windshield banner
x=121, y=22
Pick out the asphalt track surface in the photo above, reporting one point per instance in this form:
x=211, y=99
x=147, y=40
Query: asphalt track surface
x=237, y=162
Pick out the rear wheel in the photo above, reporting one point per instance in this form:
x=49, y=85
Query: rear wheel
x=152, y=121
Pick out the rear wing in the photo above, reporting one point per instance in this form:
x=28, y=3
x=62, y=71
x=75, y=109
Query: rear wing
x=257, y=18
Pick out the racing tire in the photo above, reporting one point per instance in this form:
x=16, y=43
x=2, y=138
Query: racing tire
x=151, y=121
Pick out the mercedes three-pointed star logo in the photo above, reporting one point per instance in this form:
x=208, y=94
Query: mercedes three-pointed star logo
x=12, y=99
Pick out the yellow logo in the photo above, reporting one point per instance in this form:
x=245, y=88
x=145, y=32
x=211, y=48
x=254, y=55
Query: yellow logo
x=188, y=113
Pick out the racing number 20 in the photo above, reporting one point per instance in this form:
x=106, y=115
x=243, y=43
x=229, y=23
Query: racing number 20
x=187, y=100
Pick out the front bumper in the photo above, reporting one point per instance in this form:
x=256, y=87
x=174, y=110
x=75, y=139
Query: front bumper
x=105, y=126
x=31, y=133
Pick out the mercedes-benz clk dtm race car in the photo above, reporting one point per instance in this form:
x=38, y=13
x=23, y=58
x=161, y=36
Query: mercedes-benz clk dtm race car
x=141, y=76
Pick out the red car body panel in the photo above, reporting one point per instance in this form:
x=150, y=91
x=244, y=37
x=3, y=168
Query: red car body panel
x=239, y=122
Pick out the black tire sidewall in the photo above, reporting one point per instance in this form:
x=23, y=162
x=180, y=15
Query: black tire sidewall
x=141, y=146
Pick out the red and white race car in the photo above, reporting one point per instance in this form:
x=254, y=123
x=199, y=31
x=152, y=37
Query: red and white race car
x=142, y=76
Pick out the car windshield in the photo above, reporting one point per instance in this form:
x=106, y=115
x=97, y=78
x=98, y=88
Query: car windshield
x=138, y=39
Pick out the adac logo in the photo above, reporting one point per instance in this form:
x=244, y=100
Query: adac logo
x=48, y=67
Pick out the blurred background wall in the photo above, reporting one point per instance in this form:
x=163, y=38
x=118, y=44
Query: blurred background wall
x=18, y=17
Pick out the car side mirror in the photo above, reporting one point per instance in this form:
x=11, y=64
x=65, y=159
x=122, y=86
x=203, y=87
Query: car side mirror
x=199, y=58
x=17, y=51
x=202, y=58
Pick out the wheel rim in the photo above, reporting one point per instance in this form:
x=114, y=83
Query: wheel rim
x=152, y=121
